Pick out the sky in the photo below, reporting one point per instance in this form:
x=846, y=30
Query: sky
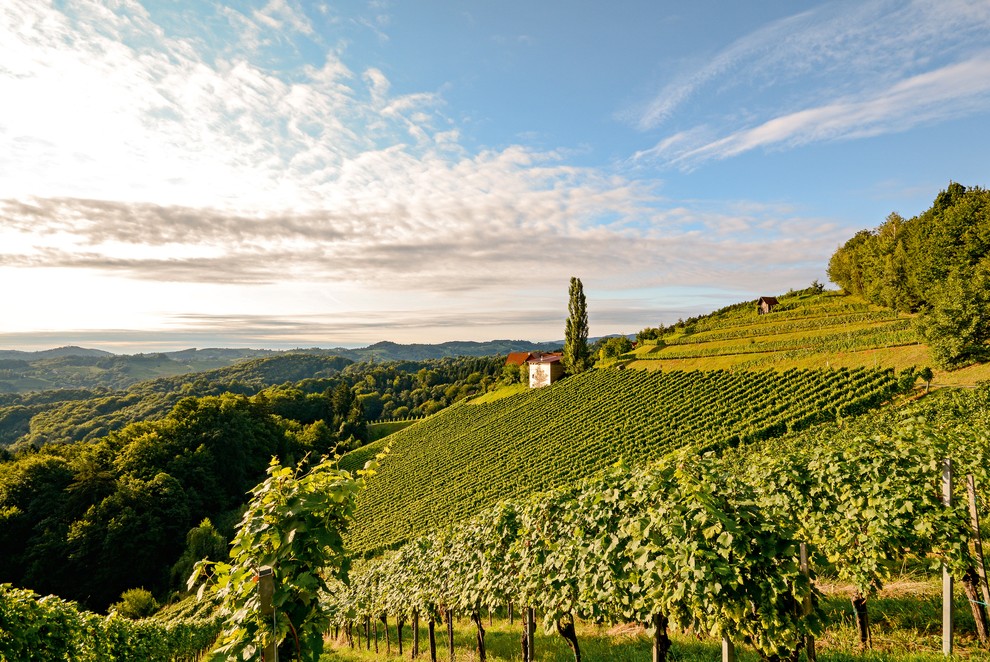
x=279, y=173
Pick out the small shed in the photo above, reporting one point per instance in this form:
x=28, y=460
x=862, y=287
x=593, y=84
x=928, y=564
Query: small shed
x=545, y=368
x=765, y=305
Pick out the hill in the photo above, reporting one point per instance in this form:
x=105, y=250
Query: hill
x=84, y=414
x=70, y=350
x=390, y=351
x=808, y=329
x=447, y=467
x=297, y=381
x=733, y=376
x=81, y=368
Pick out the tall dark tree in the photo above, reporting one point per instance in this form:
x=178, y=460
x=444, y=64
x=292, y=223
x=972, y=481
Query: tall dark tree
x=577, y=356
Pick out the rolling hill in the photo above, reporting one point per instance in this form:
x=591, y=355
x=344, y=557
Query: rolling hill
x=808, y=329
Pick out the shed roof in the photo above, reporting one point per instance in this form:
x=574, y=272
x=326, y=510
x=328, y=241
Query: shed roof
x=768, y=300
x=517, y=358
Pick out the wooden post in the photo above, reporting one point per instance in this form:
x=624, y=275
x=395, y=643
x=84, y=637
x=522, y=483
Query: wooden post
x=450, y=634
x=728, y=650
x=266, y=590
x=431, y=628
x=415, y=629
x=946, y=576
x=975, y=581
x=974, y=516
x=809, y=640
x=661, y=640
x=531, y=633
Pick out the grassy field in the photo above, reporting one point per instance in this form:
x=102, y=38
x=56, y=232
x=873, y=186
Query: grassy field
x=905, y=617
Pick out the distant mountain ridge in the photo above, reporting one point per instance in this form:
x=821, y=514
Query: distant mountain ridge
x=384, y=350
x=57, y=352
x=79, y=367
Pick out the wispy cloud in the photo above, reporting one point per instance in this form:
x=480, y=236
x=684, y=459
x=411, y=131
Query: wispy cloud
x=876, y=67
x=952, y=91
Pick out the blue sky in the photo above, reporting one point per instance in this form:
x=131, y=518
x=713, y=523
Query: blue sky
x=294, y=174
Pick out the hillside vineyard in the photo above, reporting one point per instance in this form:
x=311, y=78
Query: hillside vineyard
x=547, y=438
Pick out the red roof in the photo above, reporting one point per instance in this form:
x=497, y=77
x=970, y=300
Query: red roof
x=517, y=358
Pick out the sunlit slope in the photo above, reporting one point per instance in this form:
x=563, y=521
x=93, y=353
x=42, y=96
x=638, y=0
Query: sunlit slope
x=803, y=326
x=807, y=330
x=450, y=465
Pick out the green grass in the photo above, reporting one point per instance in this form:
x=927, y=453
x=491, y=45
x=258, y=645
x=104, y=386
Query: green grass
x=383, y=429
x=499, y=393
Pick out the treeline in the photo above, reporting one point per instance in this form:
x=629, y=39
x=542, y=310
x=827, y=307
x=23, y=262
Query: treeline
x=936, y=264
x=89, y=520
x=385, y=390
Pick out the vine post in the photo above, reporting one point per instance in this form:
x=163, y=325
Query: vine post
x=450, y=634
x=728, y=650
x=266, y=590
x=974, y=595
x=432, y=630
x=809, y=639
x=661, y=640
x=415, y=630
x=530, y=633
x=946, y=575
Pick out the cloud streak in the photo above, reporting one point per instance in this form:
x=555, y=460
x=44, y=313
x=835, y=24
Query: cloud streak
x=876, y=67
x=952, y=91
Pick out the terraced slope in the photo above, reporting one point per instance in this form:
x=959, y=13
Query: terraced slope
x=451, y=465
x=807, y=330
x=815, y=327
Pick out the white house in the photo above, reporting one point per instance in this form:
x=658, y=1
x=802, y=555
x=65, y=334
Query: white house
x=544, y=369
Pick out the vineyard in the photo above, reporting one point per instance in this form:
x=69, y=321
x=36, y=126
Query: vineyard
x=49, y=629
x=712, y=544
x=807, y=329
x=544, y=438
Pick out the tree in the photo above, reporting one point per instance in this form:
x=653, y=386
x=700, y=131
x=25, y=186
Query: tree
x=136, y=603
x=577, y=357
x=956, y=324
x=615, y=347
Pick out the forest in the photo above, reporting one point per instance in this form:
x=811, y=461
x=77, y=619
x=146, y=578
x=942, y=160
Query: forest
x=936, y=264
x=98, y=494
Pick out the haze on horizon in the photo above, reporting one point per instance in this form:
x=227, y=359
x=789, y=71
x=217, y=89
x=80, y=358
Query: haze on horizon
x=277, y=174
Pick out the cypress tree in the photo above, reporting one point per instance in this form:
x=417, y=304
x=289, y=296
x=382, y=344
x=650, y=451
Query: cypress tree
x=576, y=353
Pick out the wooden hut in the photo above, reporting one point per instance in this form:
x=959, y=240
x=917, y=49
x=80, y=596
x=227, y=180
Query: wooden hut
x=765, y=305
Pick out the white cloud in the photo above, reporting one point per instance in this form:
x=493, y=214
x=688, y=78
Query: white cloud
x=137, y=161
x=952, y=91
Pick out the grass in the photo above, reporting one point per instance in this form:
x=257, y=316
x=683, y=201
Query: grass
x=905, y=619
x=381, y=430
x=499, y=394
